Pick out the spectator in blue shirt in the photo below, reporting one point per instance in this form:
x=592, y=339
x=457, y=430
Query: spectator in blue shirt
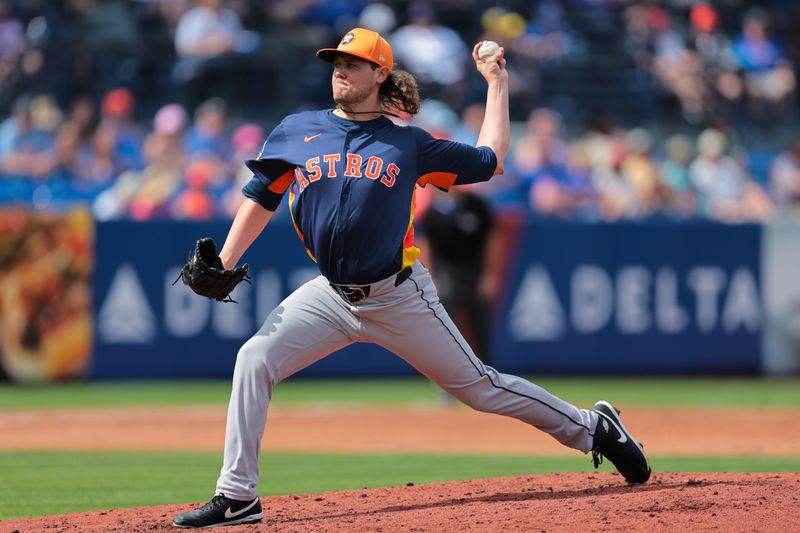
x=769, y=78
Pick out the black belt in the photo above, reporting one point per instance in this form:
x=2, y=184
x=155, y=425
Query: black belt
x=356, y=294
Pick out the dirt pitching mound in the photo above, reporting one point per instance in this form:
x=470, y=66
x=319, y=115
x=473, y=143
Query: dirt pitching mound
x=555, y=502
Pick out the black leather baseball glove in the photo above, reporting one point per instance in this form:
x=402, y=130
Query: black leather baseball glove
x=205, y=275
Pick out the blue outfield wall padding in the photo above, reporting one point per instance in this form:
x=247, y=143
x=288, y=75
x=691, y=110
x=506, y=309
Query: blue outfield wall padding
x=633, y=298
x=651, y=297
x=148, y=328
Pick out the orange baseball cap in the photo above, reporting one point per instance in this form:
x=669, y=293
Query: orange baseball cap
x=366, y=44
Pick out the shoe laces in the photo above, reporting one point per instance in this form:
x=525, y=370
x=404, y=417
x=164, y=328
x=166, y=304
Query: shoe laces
x=216, y=501
x=597, y=457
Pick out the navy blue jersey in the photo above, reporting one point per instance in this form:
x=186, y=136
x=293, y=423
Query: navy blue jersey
x=351, y=187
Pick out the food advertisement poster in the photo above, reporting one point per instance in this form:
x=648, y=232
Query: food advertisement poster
x=46, y=260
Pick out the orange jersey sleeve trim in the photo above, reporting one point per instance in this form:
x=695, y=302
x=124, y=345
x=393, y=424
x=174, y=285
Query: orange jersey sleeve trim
x=442, y=180
x=299, y=234
x=280, y=185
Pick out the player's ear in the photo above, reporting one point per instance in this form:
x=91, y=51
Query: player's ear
x=382, y=74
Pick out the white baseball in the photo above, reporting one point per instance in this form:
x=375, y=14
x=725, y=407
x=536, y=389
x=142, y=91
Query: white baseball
x=488, y=48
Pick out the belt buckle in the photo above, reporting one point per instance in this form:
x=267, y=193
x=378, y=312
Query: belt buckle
x=351, y=294
x=354, y=294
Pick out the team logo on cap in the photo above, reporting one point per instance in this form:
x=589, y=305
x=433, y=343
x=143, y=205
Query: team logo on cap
x=347, y=39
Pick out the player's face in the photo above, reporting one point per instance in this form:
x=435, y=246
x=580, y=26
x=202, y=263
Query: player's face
x=354, y=80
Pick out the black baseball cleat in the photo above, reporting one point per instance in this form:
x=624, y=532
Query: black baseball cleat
x=613, y=441
x=221, y=511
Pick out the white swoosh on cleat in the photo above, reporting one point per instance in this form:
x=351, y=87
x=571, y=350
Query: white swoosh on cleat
x=623, y=438
x=229, y=514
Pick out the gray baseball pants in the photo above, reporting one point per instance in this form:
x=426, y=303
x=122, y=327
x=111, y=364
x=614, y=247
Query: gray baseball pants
x=407, y=320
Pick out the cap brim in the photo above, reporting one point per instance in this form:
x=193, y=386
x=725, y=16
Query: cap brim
x=329, y=55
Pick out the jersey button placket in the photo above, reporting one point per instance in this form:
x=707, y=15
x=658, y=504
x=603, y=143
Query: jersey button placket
x=341, y=215
x=345, y=186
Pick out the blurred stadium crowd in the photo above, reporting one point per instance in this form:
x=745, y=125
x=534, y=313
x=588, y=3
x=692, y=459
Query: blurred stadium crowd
x=622, y=109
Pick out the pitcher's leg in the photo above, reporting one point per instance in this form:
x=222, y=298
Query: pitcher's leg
x=438, y=350
x=305, y=327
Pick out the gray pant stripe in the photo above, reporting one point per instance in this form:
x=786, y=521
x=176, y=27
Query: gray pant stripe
x=421, y=292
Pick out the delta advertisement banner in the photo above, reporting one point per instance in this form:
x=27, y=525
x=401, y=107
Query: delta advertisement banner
x=645, y=298
x=150, y=326
x=630, y=298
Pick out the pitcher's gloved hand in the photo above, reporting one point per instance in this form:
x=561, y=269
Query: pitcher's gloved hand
x=205, y=275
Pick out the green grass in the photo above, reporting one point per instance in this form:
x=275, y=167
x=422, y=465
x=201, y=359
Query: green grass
x=581, y=391
x=40, y=483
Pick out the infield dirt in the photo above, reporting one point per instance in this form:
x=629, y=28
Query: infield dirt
x=688, y=431
x=557, y=502
x=552, y=503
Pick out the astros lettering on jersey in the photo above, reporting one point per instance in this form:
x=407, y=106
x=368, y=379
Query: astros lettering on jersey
x=351, y=187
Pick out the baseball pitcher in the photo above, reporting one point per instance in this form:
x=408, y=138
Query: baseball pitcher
x=350, y=174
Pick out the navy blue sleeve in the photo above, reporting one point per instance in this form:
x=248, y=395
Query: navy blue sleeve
x=272, y=174
x=447, y=163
